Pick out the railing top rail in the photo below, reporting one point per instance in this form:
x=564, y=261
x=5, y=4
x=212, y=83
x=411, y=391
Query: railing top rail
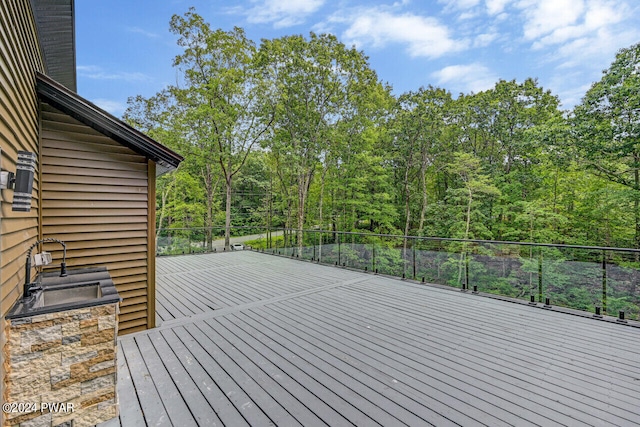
x=450, y=239
x=426, y=238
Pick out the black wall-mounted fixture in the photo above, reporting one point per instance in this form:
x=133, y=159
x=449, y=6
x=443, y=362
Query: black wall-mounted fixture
x=25, y=170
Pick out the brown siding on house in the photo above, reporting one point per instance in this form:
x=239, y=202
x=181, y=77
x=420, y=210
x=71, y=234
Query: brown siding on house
x=151, y=246
x=20, y=58
x=95, y=196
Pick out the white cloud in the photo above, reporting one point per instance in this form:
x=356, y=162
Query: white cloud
x=496, y=7
x=546, y=16
x=466, y=78
x=463, y=5
x=595, y=50
x=282, y=13
x=422, y=35
x=466, y=9
x=114, y=107
x=552, y=22
x=483, y=40
x=97, y=73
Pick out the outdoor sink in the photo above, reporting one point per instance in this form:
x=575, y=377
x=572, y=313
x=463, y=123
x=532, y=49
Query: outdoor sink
x=51, y=293
x=75, y=293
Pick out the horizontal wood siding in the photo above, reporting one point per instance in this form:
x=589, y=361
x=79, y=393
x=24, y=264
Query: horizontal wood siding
x=95, y=196
x=20, y=58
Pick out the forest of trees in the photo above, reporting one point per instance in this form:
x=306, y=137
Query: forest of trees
x=299, y=132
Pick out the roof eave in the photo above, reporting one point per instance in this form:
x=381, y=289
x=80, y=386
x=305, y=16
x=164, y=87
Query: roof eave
x=91, y=115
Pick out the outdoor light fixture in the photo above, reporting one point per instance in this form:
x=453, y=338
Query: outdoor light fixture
x=25, y=169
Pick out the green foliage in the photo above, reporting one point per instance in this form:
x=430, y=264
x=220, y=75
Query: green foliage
x=299, y=132
x=607, y=130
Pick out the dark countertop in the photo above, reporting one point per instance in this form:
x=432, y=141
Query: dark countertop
x=74, y=278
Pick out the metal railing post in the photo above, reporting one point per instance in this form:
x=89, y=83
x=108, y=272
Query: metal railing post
x=466, y=270
x=413, y=250
x=540, y=275
x=604, y=282
x=373, y=245
x=339, y=243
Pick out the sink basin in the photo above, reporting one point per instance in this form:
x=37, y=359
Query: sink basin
x=85, y=287
x=68, y=294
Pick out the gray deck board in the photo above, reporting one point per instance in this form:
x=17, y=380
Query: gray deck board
x=452, y=378
x=591, y=361
x=449, y=391
x=172, y=400
x=206, y=384
x=323, y=386
x=253, y=339
x=415, y=341
x=202, y=411
x=257, y=367
x=381, y=403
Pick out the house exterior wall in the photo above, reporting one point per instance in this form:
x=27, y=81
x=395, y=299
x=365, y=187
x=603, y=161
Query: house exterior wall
x=20, y=58
x=95, y=198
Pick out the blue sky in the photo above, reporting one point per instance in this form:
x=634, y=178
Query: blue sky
x=124, y=47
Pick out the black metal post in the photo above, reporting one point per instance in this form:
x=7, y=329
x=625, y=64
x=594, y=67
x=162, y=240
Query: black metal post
x=373, y=267
x=604, y=282
x=413, y=249
x=540, y=275
x=339, y=256
x=466, y=269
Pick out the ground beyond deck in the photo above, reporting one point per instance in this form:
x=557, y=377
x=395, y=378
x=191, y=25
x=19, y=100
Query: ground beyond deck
x=254, y=339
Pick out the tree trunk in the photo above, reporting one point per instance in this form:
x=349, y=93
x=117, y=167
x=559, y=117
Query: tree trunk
x=423, y=209
x=466, y=235
x=163, y=207
x=302, y=199
x=227, y=223
x=636, y=199
x=209, y=187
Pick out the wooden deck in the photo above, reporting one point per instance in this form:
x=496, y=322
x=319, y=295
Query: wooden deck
x=254, y=339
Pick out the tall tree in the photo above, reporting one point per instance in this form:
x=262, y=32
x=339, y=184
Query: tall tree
x=607, y=126
x=418, y=131
x=221, y=99
x=319, y=85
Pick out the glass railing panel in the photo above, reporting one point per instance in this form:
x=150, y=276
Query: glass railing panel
x=432, y=262
x=622, y=284
x=389, y=258
x=500, y=269
x=356, y=255
x=572, y=278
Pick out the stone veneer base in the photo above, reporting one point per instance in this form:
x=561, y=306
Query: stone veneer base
x=68, y=358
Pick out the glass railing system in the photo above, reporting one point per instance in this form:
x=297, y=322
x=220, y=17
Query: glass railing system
x=599, y=280
x=181, y=241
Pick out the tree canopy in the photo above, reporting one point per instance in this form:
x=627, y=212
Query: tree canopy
x=299, y=132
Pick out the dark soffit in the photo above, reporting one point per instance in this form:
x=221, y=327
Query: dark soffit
x=55, y=21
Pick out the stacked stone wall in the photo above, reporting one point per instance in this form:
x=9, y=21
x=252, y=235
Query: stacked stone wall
x=66, y=359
